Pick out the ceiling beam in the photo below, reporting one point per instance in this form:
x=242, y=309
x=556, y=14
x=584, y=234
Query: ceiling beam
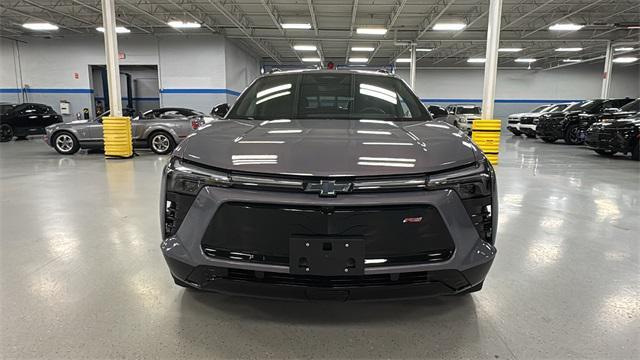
x=273, y=14
x=37, y=18
x=594, y=3
x=99, y=11
x=312, y=12
x=429, y=22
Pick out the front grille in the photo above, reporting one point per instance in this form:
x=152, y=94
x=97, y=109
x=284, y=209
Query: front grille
x=262, y=232
x=527, y=120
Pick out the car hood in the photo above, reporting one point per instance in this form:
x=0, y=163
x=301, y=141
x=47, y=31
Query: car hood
x=329, y=147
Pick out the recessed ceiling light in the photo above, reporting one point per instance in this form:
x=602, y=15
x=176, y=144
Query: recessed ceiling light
x=301, y=26
x=449, y=26
x=358, y=60
x=510, y=49
x=371, y=31
x=476, y=60
x=423, y=49
x=40, y=26
x=525, y=60
x=362, y=48
x=119, y=29
x=311, y=59
x=565, y=27
x=625, y=48
x=569, y=49
x=571, y=60
x=625, y=59
x=403, y=60
x=183, y=25
x=305, y=47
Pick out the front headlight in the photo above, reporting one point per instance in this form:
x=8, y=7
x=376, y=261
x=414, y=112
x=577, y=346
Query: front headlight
x=468, y=183
x=186, y=178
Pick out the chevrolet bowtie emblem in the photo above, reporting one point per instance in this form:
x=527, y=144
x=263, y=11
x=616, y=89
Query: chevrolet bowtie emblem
x=328, y=188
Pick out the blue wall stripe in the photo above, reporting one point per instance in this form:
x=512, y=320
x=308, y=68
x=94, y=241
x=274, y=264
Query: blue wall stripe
x=9, y=91
x=100, y=98
x=200, y=91
x=500, y=101
x=58, y=91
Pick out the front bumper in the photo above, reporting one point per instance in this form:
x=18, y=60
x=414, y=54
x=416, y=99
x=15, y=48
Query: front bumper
x=528, y=129
x=189, y=264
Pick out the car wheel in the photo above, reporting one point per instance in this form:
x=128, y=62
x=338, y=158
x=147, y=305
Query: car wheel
x=605, y=152
x=161, y=143
x=6, y=133
x=516, y=132
x=548, y=140
x=572, y=135
x=21, y=138
x=65, y=143
x=530, y=136
x=471, y=289
x=635, y=154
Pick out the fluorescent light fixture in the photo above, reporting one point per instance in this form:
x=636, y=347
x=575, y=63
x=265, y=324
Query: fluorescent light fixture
x=569, y=49
x=476, y=60
x=358, y=60
x=300, y=26
x=371, y=31
x=305, y=47
x=403, y=60
x=525, y=60
x=571, y=60
x=510, y=49
x=625, y=59
x=565, y=27
x=423, y=49
x=362, y=48
x=183, y=25
x=40, y=26
x=449, y=26
x=119, y=29
x=625, y=48
x=311, y=59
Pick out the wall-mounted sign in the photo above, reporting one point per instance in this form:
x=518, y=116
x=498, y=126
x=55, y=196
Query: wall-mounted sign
x=76, y=75
x=121, y=55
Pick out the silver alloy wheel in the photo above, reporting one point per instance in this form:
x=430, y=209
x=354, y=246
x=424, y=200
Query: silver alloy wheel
x=160, y=143
x=64, y=143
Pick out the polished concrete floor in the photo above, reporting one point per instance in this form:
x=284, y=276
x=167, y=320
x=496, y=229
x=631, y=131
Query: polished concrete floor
x=82, y=275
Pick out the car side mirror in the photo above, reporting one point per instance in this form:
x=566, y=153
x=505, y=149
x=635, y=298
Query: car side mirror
x=220, y=111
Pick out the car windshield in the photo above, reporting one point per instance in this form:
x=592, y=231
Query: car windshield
x=328, y=95
x=474, y=110
x=590, y=105
x=4, y=108
x=575, y=106
x=540, y=108
x=632, y=106
x=556, y=107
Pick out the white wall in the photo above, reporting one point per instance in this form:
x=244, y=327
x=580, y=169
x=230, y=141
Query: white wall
x=520, y=90
x=241, y=69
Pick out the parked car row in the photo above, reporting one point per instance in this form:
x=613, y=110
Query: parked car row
x=607, y=126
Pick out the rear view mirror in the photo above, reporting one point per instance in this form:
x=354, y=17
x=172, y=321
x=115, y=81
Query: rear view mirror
x=220, y=110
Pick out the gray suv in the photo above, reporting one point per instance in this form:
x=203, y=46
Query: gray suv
x=158, y=129
x=329, y=184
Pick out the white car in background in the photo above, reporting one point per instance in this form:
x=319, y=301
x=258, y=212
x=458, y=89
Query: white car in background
x=513, y=122
x=462, y=115
x=529, y=121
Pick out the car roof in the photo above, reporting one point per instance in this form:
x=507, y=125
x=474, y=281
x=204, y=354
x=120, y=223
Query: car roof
x=380, y=72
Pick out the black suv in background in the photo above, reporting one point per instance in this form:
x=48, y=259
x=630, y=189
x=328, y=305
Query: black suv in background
x=25, y=119
x=617, y=132
x=572, y=123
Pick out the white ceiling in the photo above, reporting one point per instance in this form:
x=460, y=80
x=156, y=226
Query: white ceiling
x=254, y=24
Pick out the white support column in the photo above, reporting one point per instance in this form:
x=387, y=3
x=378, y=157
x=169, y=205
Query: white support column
x=111, y=54
x=412, y=68
x=606, y=75
x=491, y=63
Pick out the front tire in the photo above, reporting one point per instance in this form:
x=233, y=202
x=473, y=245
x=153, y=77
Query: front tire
x=572, y=135
x=6, y=132
x=605, y=152
x=161, y=143
x=65, y=143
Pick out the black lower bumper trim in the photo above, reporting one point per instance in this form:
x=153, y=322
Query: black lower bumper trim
x=367, y=287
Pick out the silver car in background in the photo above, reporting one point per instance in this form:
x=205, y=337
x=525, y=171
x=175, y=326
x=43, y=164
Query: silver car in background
x=158, y=129
x=513, y=123
x=462, y=115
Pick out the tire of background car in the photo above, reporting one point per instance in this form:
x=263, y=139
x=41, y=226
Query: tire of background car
x=21, y=138
x=549, y=140
x=605, y=152
x=516, y=132
x=471, y=289
x=65, y=143
x=6, y=133
x=161, y=142
x=530, y=136
x=571, y=135
x=635, y=153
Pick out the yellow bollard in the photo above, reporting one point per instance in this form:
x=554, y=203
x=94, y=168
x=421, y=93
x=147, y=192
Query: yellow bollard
x=117, y=137
x=486, y=134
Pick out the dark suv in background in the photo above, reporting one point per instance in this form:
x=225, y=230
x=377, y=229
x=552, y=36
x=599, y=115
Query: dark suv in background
x=572, y=123
x=25, y=119
x=329, y=185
